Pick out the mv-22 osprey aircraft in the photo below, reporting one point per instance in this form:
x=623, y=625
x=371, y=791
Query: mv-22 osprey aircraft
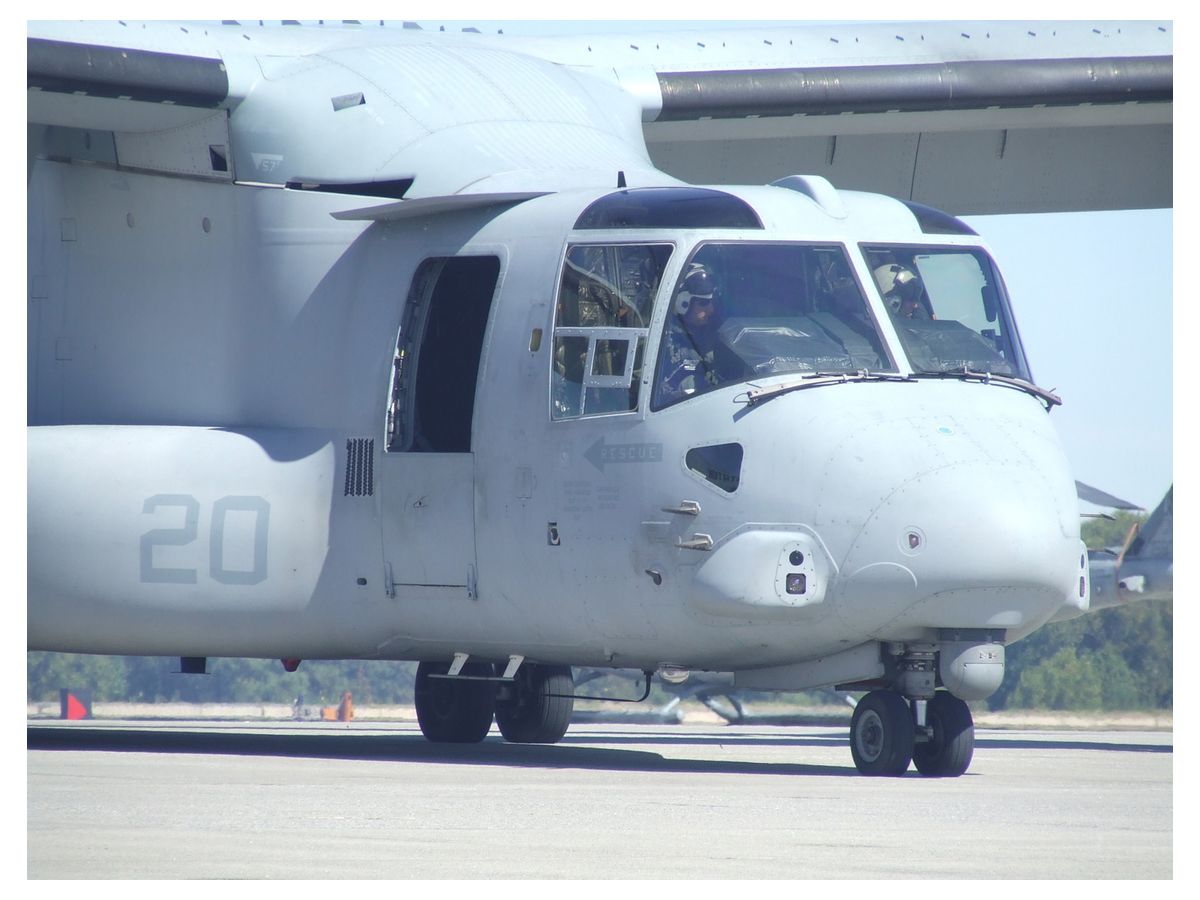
x=359, y=340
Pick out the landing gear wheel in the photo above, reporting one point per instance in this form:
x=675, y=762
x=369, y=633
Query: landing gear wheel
x=534, y=713
x=882, y=734
x=453, y=711
x=947, y=753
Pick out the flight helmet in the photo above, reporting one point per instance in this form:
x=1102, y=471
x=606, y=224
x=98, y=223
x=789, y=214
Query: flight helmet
x=893, y=277
x=697, y=284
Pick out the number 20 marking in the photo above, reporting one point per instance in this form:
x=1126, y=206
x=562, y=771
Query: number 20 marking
x=181, y=537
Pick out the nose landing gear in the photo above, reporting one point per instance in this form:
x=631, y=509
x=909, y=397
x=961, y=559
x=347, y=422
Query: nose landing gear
x=886, y=734
x=906, y=719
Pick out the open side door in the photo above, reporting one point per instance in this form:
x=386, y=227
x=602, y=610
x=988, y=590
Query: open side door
x=428, y=469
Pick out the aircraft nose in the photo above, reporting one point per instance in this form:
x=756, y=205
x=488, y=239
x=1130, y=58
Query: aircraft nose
x=985, y=540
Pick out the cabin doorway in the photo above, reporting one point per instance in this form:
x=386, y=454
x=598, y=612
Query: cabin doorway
x=428, y=478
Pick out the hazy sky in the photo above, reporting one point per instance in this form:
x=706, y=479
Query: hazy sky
x=1092, y=294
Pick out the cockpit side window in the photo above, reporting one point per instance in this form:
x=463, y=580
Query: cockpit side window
x=600, y=326
x=949, y=308
x=742, y=311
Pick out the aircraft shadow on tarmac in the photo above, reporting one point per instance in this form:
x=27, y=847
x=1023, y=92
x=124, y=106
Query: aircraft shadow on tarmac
x=394, y=747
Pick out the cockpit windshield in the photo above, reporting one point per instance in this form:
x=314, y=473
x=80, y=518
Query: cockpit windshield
x=949, y=309
x=752, y=310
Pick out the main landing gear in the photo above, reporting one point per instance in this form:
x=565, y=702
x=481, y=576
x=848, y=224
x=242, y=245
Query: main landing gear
x=455, y=710
x=536, y=708
x=532, y=707
x=887, y=733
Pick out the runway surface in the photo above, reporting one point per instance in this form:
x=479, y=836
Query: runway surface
x=331, y=800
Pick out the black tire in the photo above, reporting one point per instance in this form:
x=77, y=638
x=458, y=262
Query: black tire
x=948, y=752
x=452, y=711
x=882, y=734
x=539, y=708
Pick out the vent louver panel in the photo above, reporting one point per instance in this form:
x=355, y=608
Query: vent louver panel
x=360, y=467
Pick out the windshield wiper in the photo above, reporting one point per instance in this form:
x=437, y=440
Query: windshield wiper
x=1050, y=398
x=818, y=379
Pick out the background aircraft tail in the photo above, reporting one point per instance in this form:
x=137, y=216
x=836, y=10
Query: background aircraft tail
x=1143, y=567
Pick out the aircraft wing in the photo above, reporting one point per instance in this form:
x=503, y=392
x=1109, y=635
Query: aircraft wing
x=1098, y=497
x=971, y=117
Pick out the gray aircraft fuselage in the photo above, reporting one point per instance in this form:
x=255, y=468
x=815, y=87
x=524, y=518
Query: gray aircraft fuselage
x=213, y=393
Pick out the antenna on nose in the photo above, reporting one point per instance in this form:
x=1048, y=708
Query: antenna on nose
x=620, y=179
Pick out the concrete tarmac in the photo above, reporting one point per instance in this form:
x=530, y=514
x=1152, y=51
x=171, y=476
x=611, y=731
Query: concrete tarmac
x=128, y=799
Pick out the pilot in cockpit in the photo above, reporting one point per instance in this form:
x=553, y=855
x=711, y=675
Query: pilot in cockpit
x=902, y=290
x=689, y=362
